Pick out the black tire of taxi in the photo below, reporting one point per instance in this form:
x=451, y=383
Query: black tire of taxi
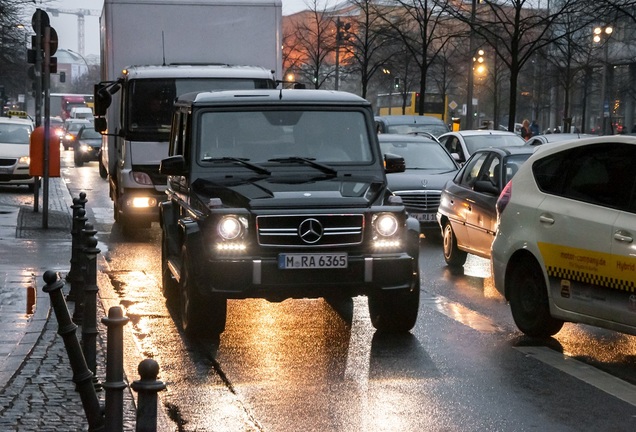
x=529, y=300
x=453, y=256
x=201, y=316
x=169, y=286
x=395, y=311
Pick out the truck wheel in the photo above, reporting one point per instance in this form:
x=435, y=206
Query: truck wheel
x=169, y=286
x=200, y=316
x=529, y=300
x=453, y=256
x=394, y=311
x=102, y=171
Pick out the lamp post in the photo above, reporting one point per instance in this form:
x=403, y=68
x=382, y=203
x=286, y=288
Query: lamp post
x=602, y=35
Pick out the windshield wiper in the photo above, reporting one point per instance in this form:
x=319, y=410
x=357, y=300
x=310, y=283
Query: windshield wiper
x=311, y=162
x=245, y=162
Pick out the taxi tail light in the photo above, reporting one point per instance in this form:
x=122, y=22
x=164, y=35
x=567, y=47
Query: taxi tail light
x=504, y=198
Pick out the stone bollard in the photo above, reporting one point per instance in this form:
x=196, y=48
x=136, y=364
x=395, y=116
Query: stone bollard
x=78, y=203
x=82, y=376
x=115, y=385
x=89, y=304
x=75, y=276
x=147, y=388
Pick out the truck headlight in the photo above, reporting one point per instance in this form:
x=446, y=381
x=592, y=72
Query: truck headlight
x=385, y=224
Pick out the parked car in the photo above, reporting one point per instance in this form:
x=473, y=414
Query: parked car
x=462, y=144
x=88, y=144
x=467, y=215
x=15, y=139
x=404, y=124
x=552, y=138
x=428, y=167
x=71, y=127
x=564, y=249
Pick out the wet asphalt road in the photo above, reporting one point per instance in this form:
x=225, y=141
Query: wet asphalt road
x=308, y=365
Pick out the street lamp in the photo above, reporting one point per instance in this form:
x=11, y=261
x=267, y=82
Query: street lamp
x=602, y=35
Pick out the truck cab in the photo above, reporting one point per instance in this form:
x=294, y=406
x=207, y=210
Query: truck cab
x=281, y=194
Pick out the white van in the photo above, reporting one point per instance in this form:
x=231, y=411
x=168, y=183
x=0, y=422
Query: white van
x=82, y=113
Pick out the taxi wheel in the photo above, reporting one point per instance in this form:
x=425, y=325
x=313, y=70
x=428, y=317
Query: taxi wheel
x=453, y=256
x=529, y=300
x=395, y=311
x=200, y=316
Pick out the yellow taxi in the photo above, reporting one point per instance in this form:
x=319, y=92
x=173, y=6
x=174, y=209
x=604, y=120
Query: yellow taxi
x=565, y=248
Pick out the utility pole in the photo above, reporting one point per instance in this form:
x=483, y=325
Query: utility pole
x=471, y=76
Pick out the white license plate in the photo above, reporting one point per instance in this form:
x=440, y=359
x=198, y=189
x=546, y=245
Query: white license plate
x=312, y=261
x=424, y=217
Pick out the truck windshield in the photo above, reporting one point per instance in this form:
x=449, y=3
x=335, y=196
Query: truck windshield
x=328, y=137
x=149, y=101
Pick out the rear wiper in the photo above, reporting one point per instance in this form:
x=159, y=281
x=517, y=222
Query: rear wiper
x=245, y=162
x=311, y=162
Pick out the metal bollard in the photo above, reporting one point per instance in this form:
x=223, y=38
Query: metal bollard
x=79, y=282
x=115, y=384
x=75, y=276
x=82, y=376
x=78, y=203
x=147, y=388
x=89, y=305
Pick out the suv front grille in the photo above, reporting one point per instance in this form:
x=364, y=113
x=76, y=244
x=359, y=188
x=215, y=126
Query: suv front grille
x=424, y=201
x=310, y=230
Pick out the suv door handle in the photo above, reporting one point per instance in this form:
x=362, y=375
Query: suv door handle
x=623, y=236
x=548, y=220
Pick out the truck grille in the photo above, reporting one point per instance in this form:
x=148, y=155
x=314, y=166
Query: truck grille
x=421, y=201
x=310, y=230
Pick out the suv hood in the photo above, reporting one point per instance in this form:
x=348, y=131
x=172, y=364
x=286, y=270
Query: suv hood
x=291, y=192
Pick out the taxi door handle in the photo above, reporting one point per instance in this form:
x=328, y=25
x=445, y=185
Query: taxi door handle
x=548, y=220
x=623, y=236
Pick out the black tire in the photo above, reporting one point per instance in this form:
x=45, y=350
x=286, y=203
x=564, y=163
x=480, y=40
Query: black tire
x=169, y=286
x=102, y=171
x=200, y=316
x=453, y=256
x=78, y=160
x=394, y=311
x=529, y=300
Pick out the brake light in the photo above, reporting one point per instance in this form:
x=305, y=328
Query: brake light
x=504, y=198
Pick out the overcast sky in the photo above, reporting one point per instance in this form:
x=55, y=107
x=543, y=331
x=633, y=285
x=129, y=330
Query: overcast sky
x=66, y=24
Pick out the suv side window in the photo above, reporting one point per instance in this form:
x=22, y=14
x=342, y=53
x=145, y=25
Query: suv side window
x=600, y=174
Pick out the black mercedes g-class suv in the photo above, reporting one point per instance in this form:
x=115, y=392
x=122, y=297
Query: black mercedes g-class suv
x=281, y=194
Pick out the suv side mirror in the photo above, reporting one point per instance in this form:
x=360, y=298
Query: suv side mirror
x=174, y=165
x=394, y=163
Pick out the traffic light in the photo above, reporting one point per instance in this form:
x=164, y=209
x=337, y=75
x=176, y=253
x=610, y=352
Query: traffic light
x=62, y=77
x=396, y=83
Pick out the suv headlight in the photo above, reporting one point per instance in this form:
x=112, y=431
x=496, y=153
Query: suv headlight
x=385, y=224
x=232, y=232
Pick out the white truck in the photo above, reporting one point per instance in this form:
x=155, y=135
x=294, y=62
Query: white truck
x=151, y=52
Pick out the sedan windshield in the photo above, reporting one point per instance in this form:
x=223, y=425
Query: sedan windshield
x=420, y=155
x=476, y=142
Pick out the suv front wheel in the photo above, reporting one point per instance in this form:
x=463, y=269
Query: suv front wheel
x=200, y=315
x=394, y=311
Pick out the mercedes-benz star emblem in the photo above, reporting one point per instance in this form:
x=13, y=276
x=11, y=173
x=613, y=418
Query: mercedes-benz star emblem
x=310, y=230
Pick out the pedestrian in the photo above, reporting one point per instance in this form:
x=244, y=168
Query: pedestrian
x=526, y=134
x=534, y=128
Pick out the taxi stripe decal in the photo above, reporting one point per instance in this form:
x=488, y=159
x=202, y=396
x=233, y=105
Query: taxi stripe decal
x=591, y=267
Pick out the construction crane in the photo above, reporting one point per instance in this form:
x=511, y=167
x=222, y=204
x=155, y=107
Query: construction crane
x=80, y=13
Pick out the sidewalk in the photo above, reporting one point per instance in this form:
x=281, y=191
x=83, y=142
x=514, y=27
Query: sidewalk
x=36, y=388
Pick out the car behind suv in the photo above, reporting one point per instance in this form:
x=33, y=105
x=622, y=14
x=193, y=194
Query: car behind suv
x=282, y=194
x=564, y=249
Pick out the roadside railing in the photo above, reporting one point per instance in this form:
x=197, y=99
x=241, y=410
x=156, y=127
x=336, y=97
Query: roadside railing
x=82, y=277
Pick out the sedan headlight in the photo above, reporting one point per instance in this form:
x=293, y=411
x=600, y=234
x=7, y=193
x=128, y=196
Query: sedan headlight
x=26, y=160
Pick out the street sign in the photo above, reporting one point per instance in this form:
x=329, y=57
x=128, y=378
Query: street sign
x=452, y=105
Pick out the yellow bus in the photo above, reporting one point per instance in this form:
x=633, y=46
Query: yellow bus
x=391, y=104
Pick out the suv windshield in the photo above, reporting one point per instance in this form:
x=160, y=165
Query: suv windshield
x=279, y=136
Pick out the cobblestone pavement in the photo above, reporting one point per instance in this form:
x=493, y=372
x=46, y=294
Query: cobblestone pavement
x=36, y=388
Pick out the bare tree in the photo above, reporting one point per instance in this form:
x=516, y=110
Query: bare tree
x=423, y=28
x=309, y=44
